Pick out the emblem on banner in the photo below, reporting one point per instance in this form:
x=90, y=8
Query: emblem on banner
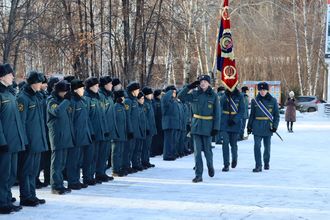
x=229, y=72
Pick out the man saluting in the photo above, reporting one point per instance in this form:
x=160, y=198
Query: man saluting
x=205, y=122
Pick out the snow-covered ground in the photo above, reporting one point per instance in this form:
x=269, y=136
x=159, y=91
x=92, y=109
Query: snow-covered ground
x=297, y=186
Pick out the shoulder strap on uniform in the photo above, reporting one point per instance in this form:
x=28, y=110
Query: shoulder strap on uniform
x=263, y=108
x=232, y=104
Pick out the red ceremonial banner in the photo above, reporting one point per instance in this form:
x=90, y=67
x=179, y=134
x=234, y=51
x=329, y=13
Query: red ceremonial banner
x=225, y=54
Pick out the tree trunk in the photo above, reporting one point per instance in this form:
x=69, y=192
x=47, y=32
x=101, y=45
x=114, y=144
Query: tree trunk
x=296, y=28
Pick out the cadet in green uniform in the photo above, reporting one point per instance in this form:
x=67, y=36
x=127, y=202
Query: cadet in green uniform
x=100, y=129
x=232, y=105
x=32, y=113
x=158, y=139
x=140, y=135
x=82, y=152
x=108, y=105
x=205, y=122
x=59, y=122
x=11, y=140
x=151, y=126
x=132, y=111
x=121, y=134
x=245, y=90
x=170, y=122
x=221, y=92
x=46, y=155
x=263, y=122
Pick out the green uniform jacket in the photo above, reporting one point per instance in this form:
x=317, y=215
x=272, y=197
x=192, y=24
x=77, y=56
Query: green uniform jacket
x=205, y=109
x=121, y=122
x=132, y=111
x=97, y=116
x=31, y=109
x=142, y=123
x=227, y=112
x=11, y=129
x=246, y=106
x=108, y=106
x=59, y=122
x=81, y=121
x=170, y=112
x=258, y=121
x=150, y=117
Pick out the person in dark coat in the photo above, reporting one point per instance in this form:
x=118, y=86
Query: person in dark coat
x=32, y=113
x=108, y=105
x=132, y=113
x=205, y=123
x=121, y=135
x=158, y=139
x=290, y=112
x=61, y=134
x=221, y=91
x=170, y=122
x=263, y=126
x=11, y=140
x=82, y=152
x=100, y=128
x=151, y=126
x=140, y=135
x=244, y=92
x=232, y=105
x=45, y=155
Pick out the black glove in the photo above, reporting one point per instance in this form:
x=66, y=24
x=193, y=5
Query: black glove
x=194, y=85
x=272, y=129
x=230, y=122
x=130, y=135
x=214, y=132
x=4, y=148
x=93, y=137
x=119, y=100
x=188, y=127
x=107, y=134
x=147, y=132
x=249, y=130
x=67, y=96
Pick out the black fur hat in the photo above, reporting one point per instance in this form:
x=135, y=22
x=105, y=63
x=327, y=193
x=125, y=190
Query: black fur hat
x=263, y=86
x=205, y=77
x=221, y=88
x=147, y=90
x=157, y=92
x=6, y=69
x=69, y=78
x=171, y=87
x=140, y=95
x=76, y=84
x=133, y=86
x=62, y=86
x=115, y=82
x=35, y=77
x=105, y=80
x=244, y=88
x=91, y=81
x=119, y=94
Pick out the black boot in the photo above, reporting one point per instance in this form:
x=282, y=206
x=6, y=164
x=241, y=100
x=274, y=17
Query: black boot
x=29, y=202
x=266, y=167
x=197, y=179
x=211, y=172
x=257, y=170
x=60, y=191
x=233, y=163
x=6, y=210
x=225, y=169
